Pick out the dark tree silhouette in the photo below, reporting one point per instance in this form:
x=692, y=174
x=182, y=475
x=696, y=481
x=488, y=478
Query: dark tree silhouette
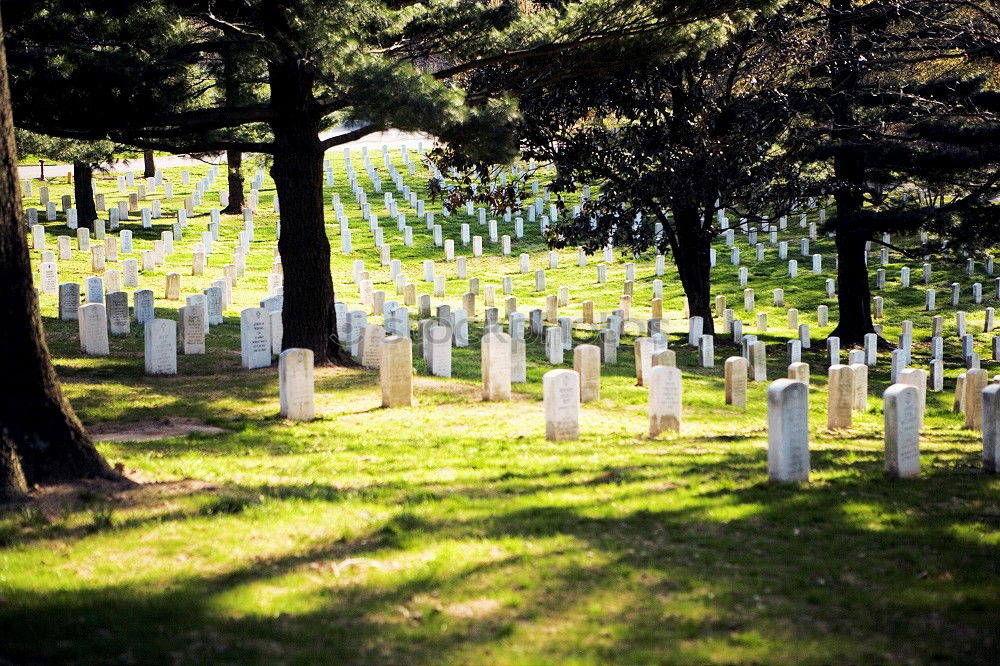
x=41, y=440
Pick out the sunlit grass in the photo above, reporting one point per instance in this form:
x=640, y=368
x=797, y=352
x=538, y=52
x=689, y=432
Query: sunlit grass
x=453, y=532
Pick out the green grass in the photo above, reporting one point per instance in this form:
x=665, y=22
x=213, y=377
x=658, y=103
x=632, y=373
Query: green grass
x=452, y=532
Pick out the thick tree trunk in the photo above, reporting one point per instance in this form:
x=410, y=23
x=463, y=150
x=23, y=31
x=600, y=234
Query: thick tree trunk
x=148, y=163
x=234, y=170
x=694, y=264
x=853, y=291
x=83, y=194
x=308, y=314
x=36, y=421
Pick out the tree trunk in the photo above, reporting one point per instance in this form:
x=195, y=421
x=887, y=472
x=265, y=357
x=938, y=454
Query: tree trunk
x=13, y=485
x=234, y=169
x=694, y=263
x=853, y=291
x=37, y=424
x=308, y=314
x=234, y=158
x=849, y=166
x=149, y=164
x=83, y=194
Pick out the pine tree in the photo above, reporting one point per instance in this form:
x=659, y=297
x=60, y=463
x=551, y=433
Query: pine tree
x=896, y=92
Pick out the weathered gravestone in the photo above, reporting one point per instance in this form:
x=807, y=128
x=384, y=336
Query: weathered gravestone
x=371, y=346
x=495, y=360
x=554, y=345
x=840, y=397
x=69, y=301
x=758, y=361
x=788, y=431
x=587, y=363
x=295, y=384
x=958, y=404
x=48, y=277
x=439, y=338
x=991, y=428
x=666, y=357
x=608, y=339
x=116, y=303
x=860, y=402
x=142, y=305
x=665, y=400
x=213, y=301
x=518, y=360
x=396, y=371
x=706, y=351
x=160, y=337
x=192, y=332
x=173, y=287
x=975, y=382
x=93, y=327
x=918, y=379
x=94, y=289
x=799, y=372
x=561, y=392
x=736, y=381
x=902, y=431
x=643, y=356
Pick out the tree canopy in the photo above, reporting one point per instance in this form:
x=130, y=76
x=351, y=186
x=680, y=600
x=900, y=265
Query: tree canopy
x=303, y=66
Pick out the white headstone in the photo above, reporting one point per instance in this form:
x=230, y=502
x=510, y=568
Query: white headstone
x=665, y=401
x=255, y=338
x=991, y=428
x=296, y=385
x=495, y=360
x=93, y=328
x=193, y=328
x=561, y=393
x=788, y=431
x=160, y=336
x=902, y=431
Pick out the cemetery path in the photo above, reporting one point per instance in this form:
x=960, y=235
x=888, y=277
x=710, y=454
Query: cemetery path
x=389, y=137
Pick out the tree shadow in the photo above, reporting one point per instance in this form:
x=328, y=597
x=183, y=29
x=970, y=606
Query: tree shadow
x=852, y=567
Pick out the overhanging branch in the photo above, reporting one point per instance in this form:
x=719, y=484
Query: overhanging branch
x=347, y=137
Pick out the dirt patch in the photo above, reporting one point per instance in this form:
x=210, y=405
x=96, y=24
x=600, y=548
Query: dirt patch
x=134, y=490
x=142, y=431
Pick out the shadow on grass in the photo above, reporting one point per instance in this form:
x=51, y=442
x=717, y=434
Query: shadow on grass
x=856, y=567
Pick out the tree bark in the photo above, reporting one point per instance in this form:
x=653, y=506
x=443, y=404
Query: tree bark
x=308, y=313
x=37, y=424
x=694, y=263
x=13, y=485
x=853, y=290
x=234, y=170
x=83, y=194
x=149, y=164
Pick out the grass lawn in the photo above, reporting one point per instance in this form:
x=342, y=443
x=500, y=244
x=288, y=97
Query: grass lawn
x=452, y=532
